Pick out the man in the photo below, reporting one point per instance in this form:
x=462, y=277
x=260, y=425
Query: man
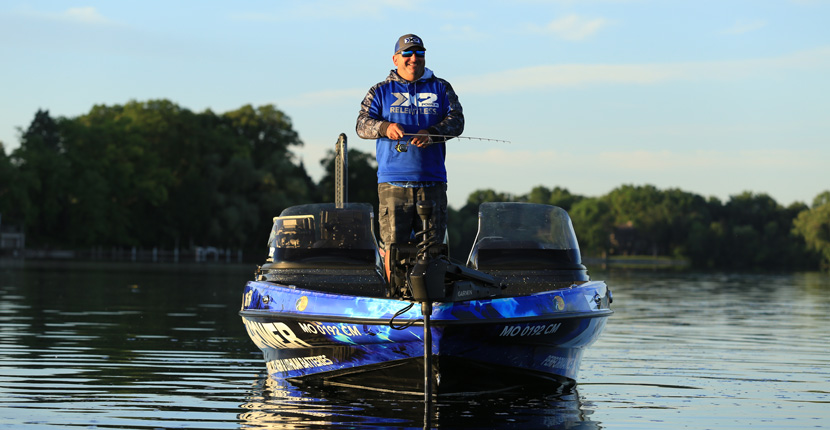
x=411, y=114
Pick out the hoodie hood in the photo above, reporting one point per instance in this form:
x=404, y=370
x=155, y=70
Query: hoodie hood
x=394, y=76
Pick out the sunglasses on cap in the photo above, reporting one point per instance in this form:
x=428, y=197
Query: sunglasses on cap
x=408, y=54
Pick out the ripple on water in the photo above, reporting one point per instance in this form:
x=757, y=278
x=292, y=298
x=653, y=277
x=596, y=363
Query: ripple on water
x=722, y=351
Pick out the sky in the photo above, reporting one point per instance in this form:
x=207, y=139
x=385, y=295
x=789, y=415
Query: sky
x=713, y=97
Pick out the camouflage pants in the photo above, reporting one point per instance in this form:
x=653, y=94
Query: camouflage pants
x=398, y=217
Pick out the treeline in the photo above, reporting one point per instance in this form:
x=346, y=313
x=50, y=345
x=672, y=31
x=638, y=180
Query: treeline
x=153, y=174
x=749, y=231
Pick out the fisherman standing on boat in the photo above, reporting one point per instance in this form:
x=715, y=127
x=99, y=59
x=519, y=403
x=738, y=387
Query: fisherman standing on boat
x=402, y=113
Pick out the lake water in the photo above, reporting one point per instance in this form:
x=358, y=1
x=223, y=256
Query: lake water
x=93, y=346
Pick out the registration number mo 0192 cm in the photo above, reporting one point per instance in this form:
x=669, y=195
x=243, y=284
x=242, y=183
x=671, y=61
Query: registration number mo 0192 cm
x=530, y=330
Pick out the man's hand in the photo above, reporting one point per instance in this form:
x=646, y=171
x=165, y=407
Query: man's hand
x=394, y=131
x=422, y=139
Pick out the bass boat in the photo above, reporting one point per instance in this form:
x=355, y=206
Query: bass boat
x=518, y=314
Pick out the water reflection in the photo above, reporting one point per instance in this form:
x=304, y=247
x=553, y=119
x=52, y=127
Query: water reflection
x=721, y=350
x=133, y=348
x=164, y=347
x=273, y=406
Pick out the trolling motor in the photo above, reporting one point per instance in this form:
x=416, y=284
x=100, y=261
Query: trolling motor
x=436, y=278
x=426, y=279
x=426, y=285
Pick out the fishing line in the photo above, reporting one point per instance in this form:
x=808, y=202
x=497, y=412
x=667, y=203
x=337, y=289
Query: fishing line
x=403, y=146
x=449, y=136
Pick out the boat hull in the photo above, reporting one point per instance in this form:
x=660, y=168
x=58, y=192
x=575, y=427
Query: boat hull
x=312, y=337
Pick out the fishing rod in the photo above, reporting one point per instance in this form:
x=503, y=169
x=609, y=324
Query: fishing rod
x=402, y=146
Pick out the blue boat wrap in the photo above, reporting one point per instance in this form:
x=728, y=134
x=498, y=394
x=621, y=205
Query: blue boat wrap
x=520, y=313
x=305, y=332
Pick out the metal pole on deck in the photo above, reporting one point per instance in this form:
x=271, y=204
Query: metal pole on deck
x=424, y=210
x=341, y=172
x=426, y=310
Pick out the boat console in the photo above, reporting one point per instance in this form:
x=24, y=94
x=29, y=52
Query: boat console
x=325, y=247
x=520, y=248
x=528, y=246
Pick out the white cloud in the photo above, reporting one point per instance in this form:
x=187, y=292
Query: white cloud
x=327, y=9
x=639, y=160
x=509, y=158
x=567, y=75
x=327, y=97
x=672, y=161
x=572, y=27
x=586, y=2
x=87, y=15
x=719, y=173
x=465, y=33
x=574, y=75
x=808, y=2
x=78, y=15
x=745, y=26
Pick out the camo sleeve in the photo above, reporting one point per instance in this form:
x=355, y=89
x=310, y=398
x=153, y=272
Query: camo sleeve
x=369, y=126
x=453, y=123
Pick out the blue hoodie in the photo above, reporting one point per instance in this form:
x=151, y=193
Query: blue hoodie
x=429, y=104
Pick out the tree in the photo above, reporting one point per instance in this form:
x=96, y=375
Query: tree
x=363, y=177
x=593, y=223
x=260, y=151
x=753, y=230
x=640, y=219
x=560, y=197
x=11, y=198
x=821, y=199
x=462, y=224
x=488, y=195
x=813, y=225
x=684, y=213
x=155, y=174
x=43, y=177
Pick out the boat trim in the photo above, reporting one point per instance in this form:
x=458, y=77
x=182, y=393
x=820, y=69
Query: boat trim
x=264, y=314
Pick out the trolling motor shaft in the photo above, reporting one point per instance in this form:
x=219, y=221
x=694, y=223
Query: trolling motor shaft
x=426, y=280
x=426, y=288
x=436, y=278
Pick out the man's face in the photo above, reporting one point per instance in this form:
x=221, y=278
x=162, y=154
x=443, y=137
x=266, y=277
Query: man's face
x=410, y=63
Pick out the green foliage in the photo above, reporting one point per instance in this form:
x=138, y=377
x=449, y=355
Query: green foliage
x=557, y=197
x=750, y=231
x=363, y=178
x=153, y=174
x=593, y=221
x=813, y=225
x=42, y=178
x=821, y=199
x=648, y=221
x=481, y=196
x=11, y=197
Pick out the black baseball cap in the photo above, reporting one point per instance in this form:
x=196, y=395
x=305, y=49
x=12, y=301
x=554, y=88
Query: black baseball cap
x=409, y=41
